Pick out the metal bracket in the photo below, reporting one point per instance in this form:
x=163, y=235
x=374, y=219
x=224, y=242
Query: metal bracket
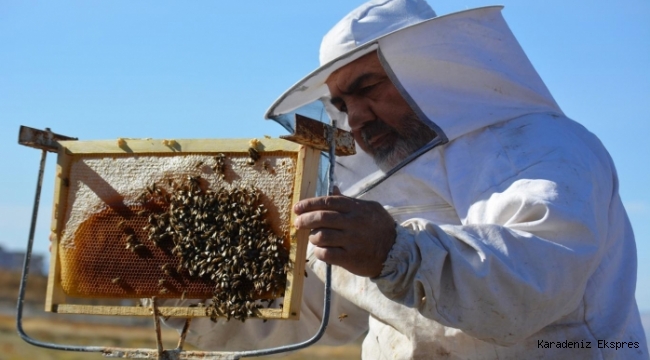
x=314, y=133
x=41, y=139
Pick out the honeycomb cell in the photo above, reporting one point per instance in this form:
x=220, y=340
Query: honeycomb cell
x=107, y=253
x=101, y=265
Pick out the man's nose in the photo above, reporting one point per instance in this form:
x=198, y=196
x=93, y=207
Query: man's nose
x=359, y=113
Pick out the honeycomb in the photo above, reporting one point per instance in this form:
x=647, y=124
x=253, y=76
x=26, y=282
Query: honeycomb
x=104, y=215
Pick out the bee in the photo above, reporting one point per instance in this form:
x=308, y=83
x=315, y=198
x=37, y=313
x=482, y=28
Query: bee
x=220, y=163
x=166, y=268
x=254, y=143
x=143, y=197
x=342, y=316
x=199, y=164
x=194, y=182
x=138, y=247
x=254, y=155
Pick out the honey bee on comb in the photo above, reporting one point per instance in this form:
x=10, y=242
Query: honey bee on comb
x=254, y=154
x=220, y=163
x=220, y=236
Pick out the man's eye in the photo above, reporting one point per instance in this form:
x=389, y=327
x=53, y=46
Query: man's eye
x=366, y=89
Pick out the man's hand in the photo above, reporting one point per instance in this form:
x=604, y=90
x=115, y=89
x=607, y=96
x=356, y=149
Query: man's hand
x=354, y=234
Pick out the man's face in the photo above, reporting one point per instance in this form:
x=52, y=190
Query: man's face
x=382, y=123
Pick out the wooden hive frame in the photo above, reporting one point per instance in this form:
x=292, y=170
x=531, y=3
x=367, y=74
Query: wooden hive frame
x=304, y=186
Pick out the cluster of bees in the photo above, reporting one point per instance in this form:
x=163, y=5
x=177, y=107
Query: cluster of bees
x=220, y=236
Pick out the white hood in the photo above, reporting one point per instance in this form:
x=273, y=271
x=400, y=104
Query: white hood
x=459, y=72
x=465, y=71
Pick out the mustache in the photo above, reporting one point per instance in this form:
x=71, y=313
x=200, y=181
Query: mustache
x=410, y=135
x=373, y=129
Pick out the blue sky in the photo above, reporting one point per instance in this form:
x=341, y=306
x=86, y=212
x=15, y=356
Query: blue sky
x=207, y=69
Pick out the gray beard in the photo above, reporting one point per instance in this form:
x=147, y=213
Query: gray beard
x=411, y=135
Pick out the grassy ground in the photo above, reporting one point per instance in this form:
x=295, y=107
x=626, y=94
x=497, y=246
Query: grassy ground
x=12, y=347
x=61, y=330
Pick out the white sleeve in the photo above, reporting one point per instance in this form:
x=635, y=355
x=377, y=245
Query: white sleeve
x=255, y=334
x=520, y=260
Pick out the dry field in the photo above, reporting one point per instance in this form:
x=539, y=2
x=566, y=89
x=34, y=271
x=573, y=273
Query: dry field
x=12, y=347
x=60, y=330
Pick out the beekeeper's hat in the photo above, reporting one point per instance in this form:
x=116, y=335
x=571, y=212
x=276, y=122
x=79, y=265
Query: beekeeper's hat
x=355, y=35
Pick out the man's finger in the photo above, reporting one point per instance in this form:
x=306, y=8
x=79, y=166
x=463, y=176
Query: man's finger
x=326, y=238
x=330, y=255
x=335, y=202
x=319, y=219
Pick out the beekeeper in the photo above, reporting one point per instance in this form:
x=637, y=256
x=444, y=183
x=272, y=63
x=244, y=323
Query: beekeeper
x=477, y=221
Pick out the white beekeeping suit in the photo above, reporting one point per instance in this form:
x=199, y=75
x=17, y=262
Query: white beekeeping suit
x=512, y=240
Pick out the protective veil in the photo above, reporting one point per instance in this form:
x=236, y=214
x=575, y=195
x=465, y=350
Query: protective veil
x=512, y=239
